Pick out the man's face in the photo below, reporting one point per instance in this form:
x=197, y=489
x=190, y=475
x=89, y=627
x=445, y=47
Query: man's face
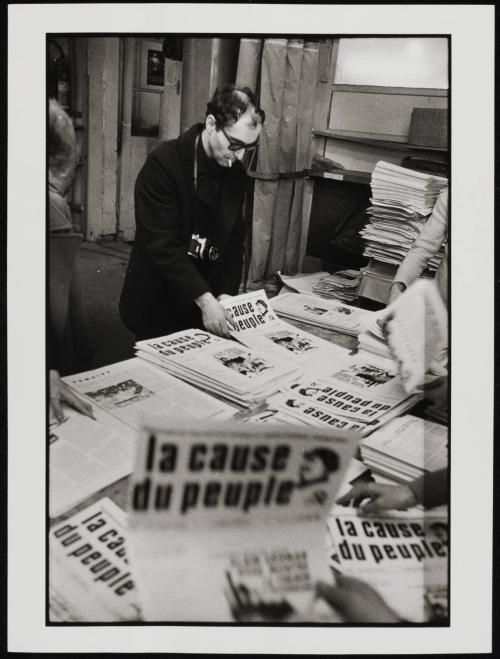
x=240, y=133
x=311, y=469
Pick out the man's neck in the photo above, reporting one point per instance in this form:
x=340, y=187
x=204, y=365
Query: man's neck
x=205, y=142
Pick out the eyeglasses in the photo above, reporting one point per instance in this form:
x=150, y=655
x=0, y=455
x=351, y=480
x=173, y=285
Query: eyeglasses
x=237, y=145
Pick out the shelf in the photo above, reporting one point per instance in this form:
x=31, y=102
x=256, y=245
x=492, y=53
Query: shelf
x=348, y=175
x=361, y=138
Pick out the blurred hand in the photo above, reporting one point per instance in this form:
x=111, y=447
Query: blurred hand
x=356, y=601
x=396, y=289
x=60, y=393
x=381, y=497
x=214, y=317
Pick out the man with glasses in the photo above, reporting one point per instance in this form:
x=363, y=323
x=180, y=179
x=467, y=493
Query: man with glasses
x=188, y=250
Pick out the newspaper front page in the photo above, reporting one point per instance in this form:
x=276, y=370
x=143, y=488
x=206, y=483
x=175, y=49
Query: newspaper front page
x=90, y=578
x=403, y=555
x=234, y=521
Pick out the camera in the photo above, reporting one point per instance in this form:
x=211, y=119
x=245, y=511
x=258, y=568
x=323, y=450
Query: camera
x=202, y=249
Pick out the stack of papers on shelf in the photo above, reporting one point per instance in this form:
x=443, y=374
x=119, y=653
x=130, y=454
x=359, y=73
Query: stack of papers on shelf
x=325, y=313
x=342, y=285
x=90, y=579
x=402, y=200
x=220, y=366
x=258, y=327
x=87, y=454
x=402, y=555
x=227, y=523
x=361, y=394
x=406, y=448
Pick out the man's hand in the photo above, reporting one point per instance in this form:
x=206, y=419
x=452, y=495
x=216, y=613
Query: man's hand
x=214, y=317
x=356, y=601
x=396, y=289
x=60, y=393
x=382, y=497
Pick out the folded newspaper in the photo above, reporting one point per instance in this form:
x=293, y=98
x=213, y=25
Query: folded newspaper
x=328, y=314
x=87, y=454
x=403, y=555
x=228, y=524
x=342, y=285
x=361, y=394
x=90, y=579
x=257, y=326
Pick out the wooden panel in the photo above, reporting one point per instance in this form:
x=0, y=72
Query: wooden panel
x=103, y=62
x=378, y=113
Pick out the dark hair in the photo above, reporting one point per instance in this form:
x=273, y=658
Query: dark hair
x=229, y=103
x=329, y=458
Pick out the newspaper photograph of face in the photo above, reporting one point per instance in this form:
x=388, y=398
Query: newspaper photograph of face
x=292, y=341
x=242, y=362
x=120, y=394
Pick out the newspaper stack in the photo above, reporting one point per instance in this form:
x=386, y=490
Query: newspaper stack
x=220, y=366
x=257, y=326
x=402, y=200
x=362, y=394
x=402, y=555
x=327, y=314
x=342, y=285
x=406, y=448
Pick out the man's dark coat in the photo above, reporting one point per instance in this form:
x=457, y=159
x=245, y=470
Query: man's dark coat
x=162, y=280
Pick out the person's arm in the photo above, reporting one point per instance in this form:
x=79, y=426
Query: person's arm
x=431, y=489
x=61, y=394
x=424, y=248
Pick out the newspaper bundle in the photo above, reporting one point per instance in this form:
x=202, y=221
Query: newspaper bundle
x=403, y=555
x=87, y=454
x=342, y=285
x=228, y=524
x=321, y=313
x=257, y=326
x=361, y=394
x=90, y=579
x=406, y=448
x=402, y=200
x=221, y=366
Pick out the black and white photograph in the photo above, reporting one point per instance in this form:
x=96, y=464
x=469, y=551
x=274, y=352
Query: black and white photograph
x=215, y=451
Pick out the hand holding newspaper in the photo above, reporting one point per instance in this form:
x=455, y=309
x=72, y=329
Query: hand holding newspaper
x=228, y=524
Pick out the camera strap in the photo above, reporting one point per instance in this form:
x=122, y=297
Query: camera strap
x=195, y=164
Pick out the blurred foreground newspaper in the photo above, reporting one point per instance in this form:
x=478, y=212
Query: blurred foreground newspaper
x=228, y=524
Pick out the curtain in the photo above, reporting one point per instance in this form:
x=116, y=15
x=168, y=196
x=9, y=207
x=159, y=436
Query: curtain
x=284, y=74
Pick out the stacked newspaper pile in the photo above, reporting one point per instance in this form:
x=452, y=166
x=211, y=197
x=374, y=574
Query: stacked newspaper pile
x=402, y=200
x=406, y=448
x=220, y=366
x=361, y=394
x=257, y=326
x=327, y=314
x=342, y=285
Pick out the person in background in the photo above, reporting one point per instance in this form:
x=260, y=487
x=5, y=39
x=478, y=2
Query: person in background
x=427, y=245
x=68, y=337
x=188, y=250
